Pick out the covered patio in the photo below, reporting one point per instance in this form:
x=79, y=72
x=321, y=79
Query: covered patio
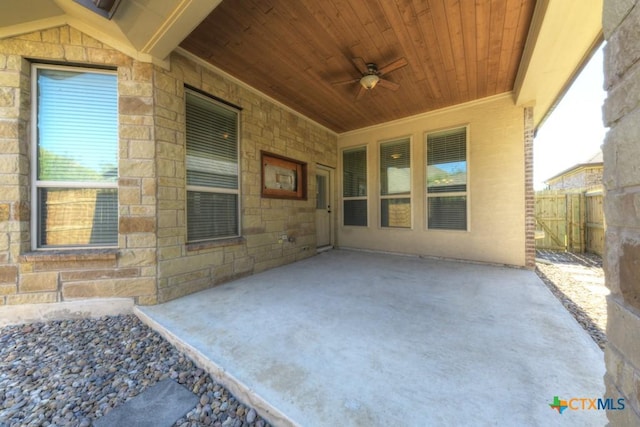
x=355, y=338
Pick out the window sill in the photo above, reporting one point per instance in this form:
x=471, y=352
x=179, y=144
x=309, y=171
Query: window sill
x=70, y=255
x=198, y=246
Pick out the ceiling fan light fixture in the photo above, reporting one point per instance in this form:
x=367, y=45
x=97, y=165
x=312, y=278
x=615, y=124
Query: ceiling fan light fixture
x=369, y=81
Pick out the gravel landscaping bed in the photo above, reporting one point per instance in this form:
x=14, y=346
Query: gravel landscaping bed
x=577, y=280
x=73, y=372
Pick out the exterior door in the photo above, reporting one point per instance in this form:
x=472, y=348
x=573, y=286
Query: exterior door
x=324, y=197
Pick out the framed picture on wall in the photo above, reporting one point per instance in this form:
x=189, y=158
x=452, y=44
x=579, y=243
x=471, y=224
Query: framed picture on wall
x=282, y=177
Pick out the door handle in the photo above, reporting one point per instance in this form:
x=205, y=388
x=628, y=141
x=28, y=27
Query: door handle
x=328, y=208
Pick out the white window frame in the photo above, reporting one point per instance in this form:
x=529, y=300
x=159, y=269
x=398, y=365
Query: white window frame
x=465, y=193
x=215, y=190
x=36, y=184
x=396, y=196
x=352, y=198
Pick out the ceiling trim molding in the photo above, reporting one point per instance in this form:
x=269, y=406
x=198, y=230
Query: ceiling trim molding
x=186, y=54
x=428, y=114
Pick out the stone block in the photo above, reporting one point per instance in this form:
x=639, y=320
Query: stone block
x=623, y=97
x=173, y=292
x=107, y=56
x=75, y=53
x=8, y=289
x=141, y=240
x=135, y=105
x=623, y=330
x=32, y=298
x=8, y=274
x=137, y=257
x=142, y=71
x=85, y=275
x=147, y=300
x=10, y=79
x=205, y=273
x=137, y=225
x=166, y=83
x=243, y=265
x=109, y=288
x=129, y=195
x=143, y=149
x=5, y=211
x=174, y=267
x=142, y=210
x=134, y=88
x=38, y=282
x=137, y=168
x=135, y=132
x=622, y=49
x=629, y=265
x=9, y=129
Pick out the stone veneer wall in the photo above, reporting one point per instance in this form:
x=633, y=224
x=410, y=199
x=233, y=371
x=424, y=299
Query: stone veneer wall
x=152, y=261
x=186, y=268
x=621, y=151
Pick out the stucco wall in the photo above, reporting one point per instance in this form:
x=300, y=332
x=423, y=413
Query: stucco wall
x=496, y=168
x=152, y=261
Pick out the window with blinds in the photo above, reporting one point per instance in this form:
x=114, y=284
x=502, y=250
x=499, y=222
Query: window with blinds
x=395, y=183
x=354, y=187
x=212, y=169
x=447, y=179
x=75, y=194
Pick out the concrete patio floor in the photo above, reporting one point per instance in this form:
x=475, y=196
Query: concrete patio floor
x=351, y=338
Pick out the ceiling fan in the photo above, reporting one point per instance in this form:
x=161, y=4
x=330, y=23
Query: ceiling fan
x=371, y=75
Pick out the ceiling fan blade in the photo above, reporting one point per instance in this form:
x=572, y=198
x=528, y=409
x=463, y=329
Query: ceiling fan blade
x=360, y=65
x=361, y=92
x=388, y=84
x=345, y=82
x=398, y=63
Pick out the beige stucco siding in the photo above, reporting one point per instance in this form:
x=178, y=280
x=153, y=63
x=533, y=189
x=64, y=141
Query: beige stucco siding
x=496, y=165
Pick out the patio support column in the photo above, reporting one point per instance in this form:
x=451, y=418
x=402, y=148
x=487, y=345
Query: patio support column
x=529, y=194
x=621, y=151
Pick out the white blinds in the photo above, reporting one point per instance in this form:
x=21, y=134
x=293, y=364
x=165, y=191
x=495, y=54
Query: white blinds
x=354, y=165
x=447, y=179
x=354, y=191
x=212, y=144
x=75, y=189
x=77, y=126
x=395, y=167
x=212, y=169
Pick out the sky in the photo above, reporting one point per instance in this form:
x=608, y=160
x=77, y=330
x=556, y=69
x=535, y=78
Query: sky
x=573, y=132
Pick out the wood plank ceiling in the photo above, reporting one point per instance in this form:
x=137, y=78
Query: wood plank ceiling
x=292, y=50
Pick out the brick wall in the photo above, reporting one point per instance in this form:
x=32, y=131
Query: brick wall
x=153, y=261
x=621, y=151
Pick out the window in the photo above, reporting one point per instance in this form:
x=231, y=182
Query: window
x=395, y=184
x=75, y=193
x=212, y=169
x=354, y=189
x=447, y=179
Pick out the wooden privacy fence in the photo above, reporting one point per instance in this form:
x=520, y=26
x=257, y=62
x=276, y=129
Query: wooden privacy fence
x=570, y=221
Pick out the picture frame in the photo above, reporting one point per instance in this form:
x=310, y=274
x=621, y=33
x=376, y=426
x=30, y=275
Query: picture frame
x=283, y=177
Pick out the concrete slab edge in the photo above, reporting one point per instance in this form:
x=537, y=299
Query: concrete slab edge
x=434, y=258
x=66, y=310
x=240, y=390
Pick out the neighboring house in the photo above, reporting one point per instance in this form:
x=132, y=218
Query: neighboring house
x=131, y=163
x=581, y=177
